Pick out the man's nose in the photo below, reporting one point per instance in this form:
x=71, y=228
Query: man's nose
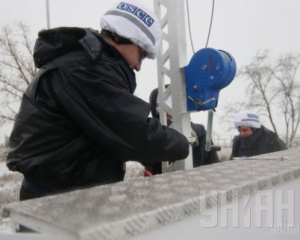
x=138, y=67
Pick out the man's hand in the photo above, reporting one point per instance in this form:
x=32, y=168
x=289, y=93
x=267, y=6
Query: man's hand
x=195, y=138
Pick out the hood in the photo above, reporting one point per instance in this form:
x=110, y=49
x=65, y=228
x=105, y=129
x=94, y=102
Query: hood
x=57, y=41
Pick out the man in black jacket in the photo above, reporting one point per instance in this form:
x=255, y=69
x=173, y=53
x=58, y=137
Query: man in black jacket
x=79, y=121
x=254, y=139
x=200, y=155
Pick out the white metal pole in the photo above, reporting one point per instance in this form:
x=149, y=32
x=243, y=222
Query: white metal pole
x=48, y=14
x=170, y=61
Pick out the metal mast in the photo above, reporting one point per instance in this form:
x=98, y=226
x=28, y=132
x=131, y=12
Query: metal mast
x=170, y=61
x=48, y=14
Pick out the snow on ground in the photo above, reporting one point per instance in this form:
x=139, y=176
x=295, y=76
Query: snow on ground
x=9, y=188
x=3, y=168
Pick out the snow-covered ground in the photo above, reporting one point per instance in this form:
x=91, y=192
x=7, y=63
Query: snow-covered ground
x=3, y=168
x=9, y=188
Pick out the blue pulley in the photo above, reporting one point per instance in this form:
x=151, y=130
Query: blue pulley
x=207, y=73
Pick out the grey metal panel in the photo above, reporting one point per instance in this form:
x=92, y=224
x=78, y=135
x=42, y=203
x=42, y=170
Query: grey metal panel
x=233, y=220
x=137, y=205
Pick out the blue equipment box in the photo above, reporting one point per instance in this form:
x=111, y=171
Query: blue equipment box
x=207, y=73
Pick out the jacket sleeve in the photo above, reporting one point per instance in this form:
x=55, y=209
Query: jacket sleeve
x=276, y=145
x=96, y=96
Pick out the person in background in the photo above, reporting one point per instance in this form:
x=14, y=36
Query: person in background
x=253, y=139
x=200, y=156
x=79, y=121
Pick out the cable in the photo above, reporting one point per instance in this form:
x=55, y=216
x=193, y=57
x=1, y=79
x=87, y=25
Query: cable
x=211, y=20
x=189, y=24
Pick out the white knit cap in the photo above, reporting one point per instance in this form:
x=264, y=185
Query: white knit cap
x=247, y=118
x=135, y=21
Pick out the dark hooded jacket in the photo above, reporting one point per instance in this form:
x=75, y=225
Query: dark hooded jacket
x=79, y=120
x=200, y=155
x=261, y=141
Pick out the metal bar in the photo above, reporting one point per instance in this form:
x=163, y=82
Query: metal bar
x=48, y=14
x=34, y=236
x=209, y=130
x=261, y=158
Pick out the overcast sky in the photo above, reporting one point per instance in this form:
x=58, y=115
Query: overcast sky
x=241, y=27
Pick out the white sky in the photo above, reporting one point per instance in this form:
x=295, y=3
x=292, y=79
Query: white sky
x=241, y=27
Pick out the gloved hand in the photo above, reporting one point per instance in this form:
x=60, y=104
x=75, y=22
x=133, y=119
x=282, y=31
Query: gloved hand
x=196, y=143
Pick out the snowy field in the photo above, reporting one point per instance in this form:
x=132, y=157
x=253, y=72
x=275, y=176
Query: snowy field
x=9, y=189
x=10, y=183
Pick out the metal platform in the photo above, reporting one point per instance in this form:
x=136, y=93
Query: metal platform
x=125, y=209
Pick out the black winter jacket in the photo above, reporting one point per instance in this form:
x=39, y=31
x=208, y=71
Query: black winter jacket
x=79, y=120
x=260, y=142
x=200, y=155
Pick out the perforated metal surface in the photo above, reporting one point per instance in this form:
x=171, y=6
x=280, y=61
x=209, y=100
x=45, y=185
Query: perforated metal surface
x=137, y=205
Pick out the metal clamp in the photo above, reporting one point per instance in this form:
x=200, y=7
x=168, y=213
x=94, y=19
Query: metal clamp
x=198, y=102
